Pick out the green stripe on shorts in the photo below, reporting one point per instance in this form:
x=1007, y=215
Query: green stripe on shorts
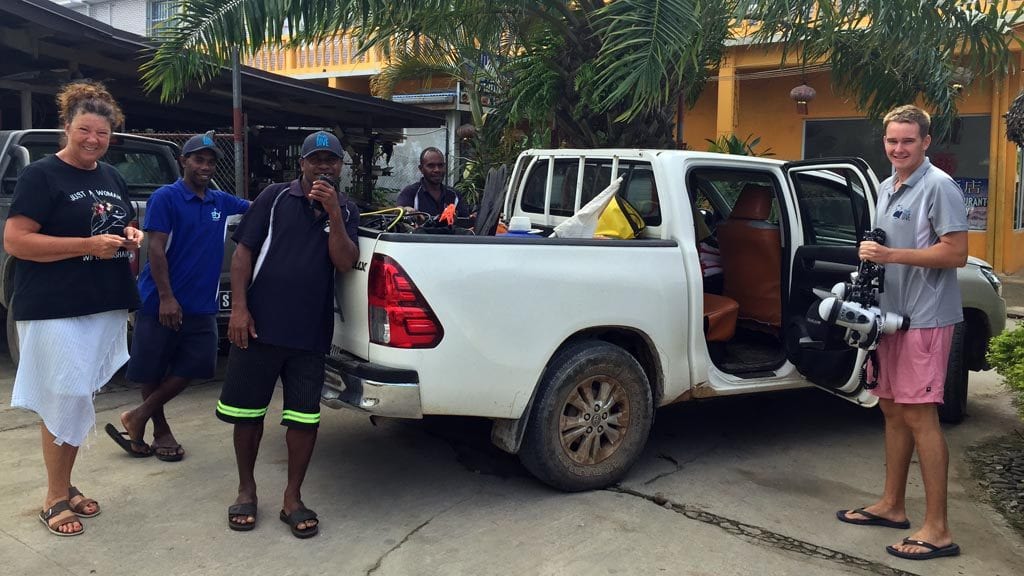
x=300, y=417
x=233, y=412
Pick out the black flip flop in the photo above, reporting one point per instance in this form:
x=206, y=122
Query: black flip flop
x=172, y=457
x=298, y=516
x=127, y=444
x=243, y=509
x=870, y=519
x=933, y=550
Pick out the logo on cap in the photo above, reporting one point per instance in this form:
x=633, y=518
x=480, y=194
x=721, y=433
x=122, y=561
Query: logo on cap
x=321, y=139
x=207, y=139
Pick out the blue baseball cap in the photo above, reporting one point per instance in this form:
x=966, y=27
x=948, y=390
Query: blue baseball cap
x=201, y=142
x=322, y=142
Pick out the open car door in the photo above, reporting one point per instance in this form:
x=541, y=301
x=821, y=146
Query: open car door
x=834, y=201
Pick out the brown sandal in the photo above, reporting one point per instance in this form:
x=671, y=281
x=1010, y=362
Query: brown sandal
x=46, y=515
x=79, y=509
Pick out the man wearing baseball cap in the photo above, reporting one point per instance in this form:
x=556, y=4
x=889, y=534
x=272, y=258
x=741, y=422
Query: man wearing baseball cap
x=322, y=142
x=291, y=243
x=175, y=332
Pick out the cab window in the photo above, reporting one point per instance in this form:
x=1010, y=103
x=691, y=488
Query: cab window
x=716, y=190
x=145, y=166
x=534, y=188
x=569, y=191
x=638, y=186
x=833, y=207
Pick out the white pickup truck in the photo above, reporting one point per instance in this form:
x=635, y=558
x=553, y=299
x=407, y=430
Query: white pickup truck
x=569, y=345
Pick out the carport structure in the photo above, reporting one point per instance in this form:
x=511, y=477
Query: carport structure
x=43, y=45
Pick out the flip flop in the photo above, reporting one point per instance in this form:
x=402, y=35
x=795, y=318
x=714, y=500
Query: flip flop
x=127, y=444
x=171, y=453
x=933, y=550
x=46, y=515
x=298, y=516
x=870, y=519
x=243, y=509
x=79, y=509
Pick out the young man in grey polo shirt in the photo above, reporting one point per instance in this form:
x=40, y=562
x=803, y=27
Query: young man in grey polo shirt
x=921, y=209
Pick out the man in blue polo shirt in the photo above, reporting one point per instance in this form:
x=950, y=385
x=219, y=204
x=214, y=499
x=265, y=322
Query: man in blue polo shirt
x=291, y=243
x=430, y=195
x=175, y=332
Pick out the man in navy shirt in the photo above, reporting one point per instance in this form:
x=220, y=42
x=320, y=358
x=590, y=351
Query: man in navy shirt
x=175, y=332
x=290, y=244
x=430, y=195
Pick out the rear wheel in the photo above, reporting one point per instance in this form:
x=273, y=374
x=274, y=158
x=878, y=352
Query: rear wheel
x=954, y=407
x=591, y=418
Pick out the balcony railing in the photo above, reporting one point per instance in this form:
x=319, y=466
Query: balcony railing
x=336, y=56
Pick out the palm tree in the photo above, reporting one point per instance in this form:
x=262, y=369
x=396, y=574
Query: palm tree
x=462, y=44
x=609, y=73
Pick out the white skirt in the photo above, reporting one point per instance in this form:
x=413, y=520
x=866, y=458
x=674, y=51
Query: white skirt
x=64, y=362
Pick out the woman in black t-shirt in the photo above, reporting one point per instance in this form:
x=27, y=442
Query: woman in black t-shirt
x=73, y=287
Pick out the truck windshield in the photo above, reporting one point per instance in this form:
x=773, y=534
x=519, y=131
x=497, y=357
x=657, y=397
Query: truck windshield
x=145, y=166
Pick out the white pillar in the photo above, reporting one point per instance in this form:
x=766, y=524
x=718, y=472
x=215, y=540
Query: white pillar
x=451, y=122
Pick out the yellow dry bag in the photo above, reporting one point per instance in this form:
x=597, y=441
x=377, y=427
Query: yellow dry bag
x=620, y=220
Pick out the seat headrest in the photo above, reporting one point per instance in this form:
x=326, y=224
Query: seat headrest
x=754, y=203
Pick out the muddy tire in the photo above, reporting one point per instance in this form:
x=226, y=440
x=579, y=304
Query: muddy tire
x=591, y=418
x=954, y=407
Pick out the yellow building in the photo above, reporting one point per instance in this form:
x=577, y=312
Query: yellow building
x=750, y=95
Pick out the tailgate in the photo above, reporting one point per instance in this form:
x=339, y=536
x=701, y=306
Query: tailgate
x=351, y=323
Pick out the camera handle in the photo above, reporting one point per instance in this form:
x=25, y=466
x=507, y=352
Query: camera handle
x=873, y=358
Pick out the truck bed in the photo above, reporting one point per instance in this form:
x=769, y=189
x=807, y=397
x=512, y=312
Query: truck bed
x=503, y=319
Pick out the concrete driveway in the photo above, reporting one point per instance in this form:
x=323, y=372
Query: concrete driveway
x=729, y=487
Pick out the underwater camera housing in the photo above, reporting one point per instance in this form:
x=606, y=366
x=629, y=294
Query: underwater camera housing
x=854, y=304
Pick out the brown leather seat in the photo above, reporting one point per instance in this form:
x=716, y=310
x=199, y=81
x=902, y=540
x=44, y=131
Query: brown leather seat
x=719, y=317
x=751, y=250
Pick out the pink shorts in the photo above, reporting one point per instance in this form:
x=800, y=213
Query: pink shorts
x=913, y=365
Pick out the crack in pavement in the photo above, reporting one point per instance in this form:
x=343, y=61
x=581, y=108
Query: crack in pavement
x=380, y=561
x=35, y=423
x=669, y=458
x=116, y=407
x=64, y=569
x=20, y=426
x=764, y=537
x=678, y=466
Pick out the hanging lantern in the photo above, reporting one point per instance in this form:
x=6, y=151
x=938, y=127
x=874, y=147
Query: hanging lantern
x=466, y=132
x=802, y=94
x=960, y=78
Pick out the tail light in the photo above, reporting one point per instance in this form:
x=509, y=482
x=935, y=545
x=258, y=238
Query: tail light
x=134, y=254
x=399, y=315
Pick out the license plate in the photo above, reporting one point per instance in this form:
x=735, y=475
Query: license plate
x=224, y=300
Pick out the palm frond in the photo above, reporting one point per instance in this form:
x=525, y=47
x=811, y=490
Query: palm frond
x=198, y=41
x=643, y=44
x=535, y=85
x=413, y=65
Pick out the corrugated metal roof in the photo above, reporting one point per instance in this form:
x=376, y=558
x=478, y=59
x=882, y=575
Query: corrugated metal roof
x=42, y=45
